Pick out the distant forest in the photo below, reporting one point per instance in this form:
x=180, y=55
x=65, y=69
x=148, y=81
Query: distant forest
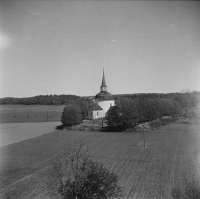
x=186, y=100
x=154, y=105
x=47, y=100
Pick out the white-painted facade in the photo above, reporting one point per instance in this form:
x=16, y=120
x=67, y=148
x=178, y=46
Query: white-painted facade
x=105, y=105
x=95, y=114
x=101, y=103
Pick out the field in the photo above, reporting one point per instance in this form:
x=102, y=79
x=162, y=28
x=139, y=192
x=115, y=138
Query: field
x=172, y=153
x=30, y=113
x=15, y=132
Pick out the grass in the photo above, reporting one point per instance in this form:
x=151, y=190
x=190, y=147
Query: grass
x=16, y=132
x=30, y=113
x=171, y=152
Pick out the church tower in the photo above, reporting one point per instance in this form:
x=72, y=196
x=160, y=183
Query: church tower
x=102, y=102
x=103, y=86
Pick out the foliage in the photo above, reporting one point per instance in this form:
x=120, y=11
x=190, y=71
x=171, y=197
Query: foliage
x=124, y=115
x=187, y=101
x=71, y=115
x=129, y=113
x=75, y=175
x=152, y=106
x=82, y=102
x=156, y=123
x=84, y=113
x=194, y=100
x=153, y=109
x=114, y=116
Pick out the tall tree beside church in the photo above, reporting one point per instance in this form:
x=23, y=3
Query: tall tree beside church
x=130, y=116
x=114, y=117
x=124, y=114
x=71, y=115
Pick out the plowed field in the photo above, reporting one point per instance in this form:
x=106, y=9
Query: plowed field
x=172, y=152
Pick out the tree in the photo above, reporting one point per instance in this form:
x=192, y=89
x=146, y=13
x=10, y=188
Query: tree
x=194, y=99
x=176, y=109
x=153, y=109
x=75, y=175
x=124, y=114
x=165, y=107
x=140, y=103
x=84, y=113
x=130, y=116
x=114, y=117
x=71, y=115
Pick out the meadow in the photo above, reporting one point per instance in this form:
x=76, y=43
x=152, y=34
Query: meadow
x=30, y=113
x=172, y=152
x=15, y=132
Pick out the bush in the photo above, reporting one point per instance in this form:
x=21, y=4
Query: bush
x=156, y=123
x=71, y=115
x=75, y=175
x=164, y=123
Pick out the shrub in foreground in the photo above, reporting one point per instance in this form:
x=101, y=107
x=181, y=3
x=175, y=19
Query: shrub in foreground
x=75, y=175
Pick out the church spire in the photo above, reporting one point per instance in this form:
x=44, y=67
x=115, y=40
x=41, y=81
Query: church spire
x=103, y=84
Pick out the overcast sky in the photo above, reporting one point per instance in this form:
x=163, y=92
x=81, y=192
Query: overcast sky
x=60, y=47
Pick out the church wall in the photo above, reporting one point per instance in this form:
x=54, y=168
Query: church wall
x=98, y=114
x=95, y=114
x=105, y=105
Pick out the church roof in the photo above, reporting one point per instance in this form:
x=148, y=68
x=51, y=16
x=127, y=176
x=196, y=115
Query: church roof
x=103, y=96
x=103, y=81
x=95, y=107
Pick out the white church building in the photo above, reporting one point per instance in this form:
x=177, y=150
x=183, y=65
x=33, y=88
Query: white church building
x=101, y=102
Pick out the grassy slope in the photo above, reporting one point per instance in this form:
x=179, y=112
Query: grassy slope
x=144, y=173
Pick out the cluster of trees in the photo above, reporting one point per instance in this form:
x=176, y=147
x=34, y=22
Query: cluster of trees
x=186, y=100
x=138, y=108
x=133, y=109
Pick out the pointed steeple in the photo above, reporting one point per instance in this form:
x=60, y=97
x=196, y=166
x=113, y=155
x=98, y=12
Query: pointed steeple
x=103, y=84
x=103, y=80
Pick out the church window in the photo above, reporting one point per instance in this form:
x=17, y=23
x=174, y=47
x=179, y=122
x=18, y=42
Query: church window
x=97, y=113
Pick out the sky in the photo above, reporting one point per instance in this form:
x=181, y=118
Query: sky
x=61, y=47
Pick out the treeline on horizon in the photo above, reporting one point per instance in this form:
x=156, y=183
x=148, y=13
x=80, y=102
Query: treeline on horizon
x=74, y=99
x=48, y=100
x=148, y=105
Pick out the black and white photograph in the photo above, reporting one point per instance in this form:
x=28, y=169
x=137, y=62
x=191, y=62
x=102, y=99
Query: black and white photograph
x=99, y=99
